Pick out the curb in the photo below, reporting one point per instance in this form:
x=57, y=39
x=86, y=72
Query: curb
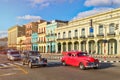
x=110, y=61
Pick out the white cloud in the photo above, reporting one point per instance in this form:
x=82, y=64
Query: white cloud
x=45, y=3
x=91, y=12
x=3, y=34
x=29, y=17
x=102, y=3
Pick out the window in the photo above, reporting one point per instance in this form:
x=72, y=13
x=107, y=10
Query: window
x=111, y=28
x=64, y=35
x=69, y=34
x=76, y=33
x=83, y=32
x=58, y=35
x=91, y=31
x=100, y=29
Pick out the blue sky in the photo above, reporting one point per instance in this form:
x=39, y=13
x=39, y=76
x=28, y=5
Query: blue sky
x=23, y=11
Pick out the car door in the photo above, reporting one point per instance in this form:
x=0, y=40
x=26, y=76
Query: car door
x=68, y=58
x=73, y=59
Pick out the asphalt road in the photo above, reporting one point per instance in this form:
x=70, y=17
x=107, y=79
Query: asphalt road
x=54, y=71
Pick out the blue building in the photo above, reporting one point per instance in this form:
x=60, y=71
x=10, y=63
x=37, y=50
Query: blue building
x=34, y=41
x=51, y=36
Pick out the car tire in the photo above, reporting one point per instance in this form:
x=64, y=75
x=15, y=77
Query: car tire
x=64, y=63
x=95, y=67
x=30, y=65
x=23, y=63
x=81, y=66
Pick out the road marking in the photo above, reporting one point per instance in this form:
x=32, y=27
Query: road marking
x=24, y=71
x=8, y=74
x=4, y=65
x=18, y=63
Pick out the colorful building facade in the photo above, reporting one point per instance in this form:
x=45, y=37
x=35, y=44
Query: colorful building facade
x=35, y=41
x=98, y=34
x=13, y=33
x=51, y=35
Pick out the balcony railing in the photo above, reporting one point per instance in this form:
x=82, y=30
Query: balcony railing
x=111, y=34
x=91, y=36
x=82, y=36
x=64, y=38
x=100, y=35
x=41, y=32
x=50, y=35
x=75, y=37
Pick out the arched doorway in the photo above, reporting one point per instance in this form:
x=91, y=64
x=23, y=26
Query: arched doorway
x=100, y=46
x=69, y=46
x=76, y=45
x=59, y=47
x=112, y=47
x=92, y=48
x=83, y=46
x=64, y=46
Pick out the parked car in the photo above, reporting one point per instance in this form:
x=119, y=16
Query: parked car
x=80, y=59
x=13, y=55
x=33, y=58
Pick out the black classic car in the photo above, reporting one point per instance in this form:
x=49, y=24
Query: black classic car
x=33, y=58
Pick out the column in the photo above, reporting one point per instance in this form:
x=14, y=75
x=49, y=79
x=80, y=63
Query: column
x=73, y=46
x=79, y=46
x=61, y=47
x=118, y=50
x=96, y=49
x=66, y=46
x=87, y=48
x=56, y=47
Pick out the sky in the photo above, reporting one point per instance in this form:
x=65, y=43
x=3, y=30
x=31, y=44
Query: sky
x=20, y=12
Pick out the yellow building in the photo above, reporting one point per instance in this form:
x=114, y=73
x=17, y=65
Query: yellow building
x=13, y=33
x=42, y=37
x=97, y=34
x=21, y=43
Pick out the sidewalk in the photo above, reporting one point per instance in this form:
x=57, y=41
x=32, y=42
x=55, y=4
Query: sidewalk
x=110, y=60
x=57, y=57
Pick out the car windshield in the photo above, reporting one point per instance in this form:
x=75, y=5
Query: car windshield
x=82, y=54
x=34, y=53
x=14, y=52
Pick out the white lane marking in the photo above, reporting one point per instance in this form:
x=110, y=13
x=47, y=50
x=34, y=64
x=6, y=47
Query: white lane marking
x=10, y=64
x=4, y=65
x=18, y=63
x=8, y=74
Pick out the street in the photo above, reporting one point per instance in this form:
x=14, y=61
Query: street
x=55, y=71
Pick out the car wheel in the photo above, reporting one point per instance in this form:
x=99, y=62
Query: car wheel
x=63, y=63
x=44, y=65
x=81, y=66
x=23, y=63
x=30, y=65
x=95, y=67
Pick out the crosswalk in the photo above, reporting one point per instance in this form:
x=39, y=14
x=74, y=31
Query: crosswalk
x=7, y=65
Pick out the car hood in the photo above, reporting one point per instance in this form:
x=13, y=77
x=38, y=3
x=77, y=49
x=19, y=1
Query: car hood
x=34, y=57
x=15, y=55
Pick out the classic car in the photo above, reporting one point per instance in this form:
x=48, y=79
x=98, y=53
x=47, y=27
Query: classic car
x=13, y=55
x=80, y=59
x=33, y=58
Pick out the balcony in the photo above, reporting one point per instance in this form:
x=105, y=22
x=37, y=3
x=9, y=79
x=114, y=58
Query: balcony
x=64, y=38
x=41, y=33
x=50, y=41
x=91, y=36
x=48, y=35
x=75, y=37
x=100, y=35
x=82, y=36
x=111, y=34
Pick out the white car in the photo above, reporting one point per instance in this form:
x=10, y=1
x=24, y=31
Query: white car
x=13, y=55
